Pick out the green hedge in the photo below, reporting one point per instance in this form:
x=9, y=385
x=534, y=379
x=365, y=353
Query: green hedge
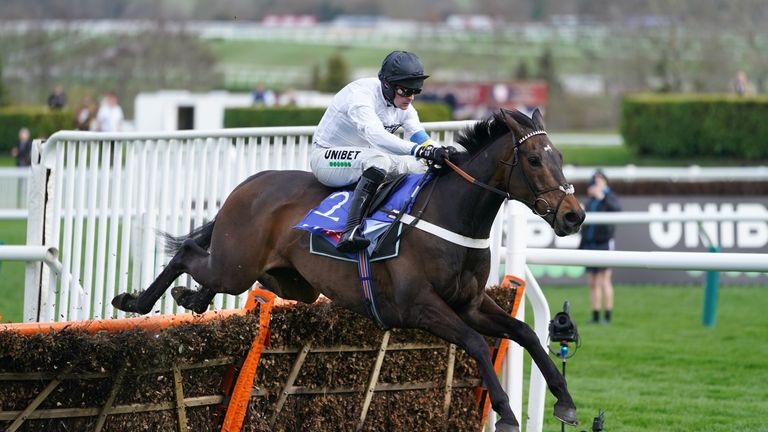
x=41, y=122
x=293, y=116
x=696, y=125
x=433, y=111
x=261, y=117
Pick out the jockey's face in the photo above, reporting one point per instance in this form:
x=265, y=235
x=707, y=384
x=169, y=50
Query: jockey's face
x=404, y=97
x=403, y=102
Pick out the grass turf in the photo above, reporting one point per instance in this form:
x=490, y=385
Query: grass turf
x=656, y=368
x=12, y=272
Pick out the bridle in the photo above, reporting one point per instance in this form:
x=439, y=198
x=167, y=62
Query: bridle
x=549, y=213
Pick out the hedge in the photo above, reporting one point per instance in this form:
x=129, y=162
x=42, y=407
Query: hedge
x=261, y=117
x=41, y=122
x=294, y=116
x=696, y=125
x=326, y=395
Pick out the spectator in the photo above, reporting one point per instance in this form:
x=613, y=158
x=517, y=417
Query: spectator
x=84, y=115
x=110, y=115
x=600, y=237
x=263, y=97
x=288, y=98
x=742, y=86
x=22, y=151
x=57, y=99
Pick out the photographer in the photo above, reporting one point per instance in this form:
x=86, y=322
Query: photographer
x=600, y=237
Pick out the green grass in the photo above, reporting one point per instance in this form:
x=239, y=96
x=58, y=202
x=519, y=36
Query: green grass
x=656, y=368
x=602, y=156
x=12, y=273
x=276, y=54
x=7, y=161
x=622, y=155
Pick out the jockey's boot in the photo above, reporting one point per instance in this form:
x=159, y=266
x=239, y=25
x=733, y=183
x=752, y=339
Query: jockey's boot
x=352, y=240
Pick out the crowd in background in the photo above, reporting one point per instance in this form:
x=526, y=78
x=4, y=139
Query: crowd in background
x=265, y=97
x=107, y=117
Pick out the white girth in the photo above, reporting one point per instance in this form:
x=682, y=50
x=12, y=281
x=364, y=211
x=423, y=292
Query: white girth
x=444, y=234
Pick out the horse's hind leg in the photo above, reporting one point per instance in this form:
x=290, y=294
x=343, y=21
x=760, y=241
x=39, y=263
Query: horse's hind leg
x=490, y=320
x=194, y=300
x=212, y=277
x=187, y=256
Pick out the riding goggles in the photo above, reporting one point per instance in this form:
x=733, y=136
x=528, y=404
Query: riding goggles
x=406, y=92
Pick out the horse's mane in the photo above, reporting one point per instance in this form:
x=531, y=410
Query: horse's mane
x=476, y=137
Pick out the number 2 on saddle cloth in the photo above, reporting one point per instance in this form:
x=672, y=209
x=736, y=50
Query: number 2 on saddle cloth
x=326, y=222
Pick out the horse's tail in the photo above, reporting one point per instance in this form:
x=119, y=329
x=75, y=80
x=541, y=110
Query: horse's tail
x=201, y=235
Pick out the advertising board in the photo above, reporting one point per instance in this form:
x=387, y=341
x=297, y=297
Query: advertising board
x=730, y=236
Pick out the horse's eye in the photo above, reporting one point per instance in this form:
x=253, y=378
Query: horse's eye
x=534, y=161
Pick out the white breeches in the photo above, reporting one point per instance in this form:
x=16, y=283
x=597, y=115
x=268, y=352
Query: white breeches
x=342, y=166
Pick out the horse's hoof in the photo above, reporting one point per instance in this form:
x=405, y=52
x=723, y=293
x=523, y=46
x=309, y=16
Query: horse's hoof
x=125, y=302
x=181, y=295
x=506, y=427
x=185, y=298
x=566, y=413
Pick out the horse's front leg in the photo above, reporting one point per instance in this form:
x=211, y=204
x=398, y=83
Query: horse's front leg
x=491, y=320
x=434, y=316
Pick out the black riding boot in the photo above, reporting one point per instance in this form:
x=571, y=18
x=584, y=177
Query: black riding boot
x=352, y=240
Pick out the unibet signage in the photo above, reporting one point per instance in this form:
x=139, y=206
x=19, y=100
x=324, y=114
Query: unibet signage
x=730, y=236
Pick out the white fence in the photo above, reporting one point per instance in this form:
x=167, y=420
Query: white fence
x=13, y=199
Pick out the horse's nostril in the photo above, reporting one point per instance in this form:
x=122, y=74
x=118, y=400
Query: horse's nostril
x=573, y=218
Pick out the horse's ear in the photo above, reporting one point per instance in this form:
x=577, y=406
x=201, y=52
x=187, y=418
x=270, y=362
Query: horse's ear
x=510, y=121
x=538, y=119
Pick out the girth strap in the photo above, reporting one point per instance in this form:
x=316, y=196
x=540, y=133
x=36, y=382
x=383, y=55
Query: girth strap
x=364, y=270
x=445, y=234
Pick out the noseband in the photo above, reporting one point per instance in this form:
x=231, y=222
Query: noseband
x=549, y=213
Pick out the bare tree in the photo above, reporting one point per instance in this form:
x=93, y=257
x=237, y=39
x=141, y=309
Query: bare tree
x=746, y=21
x=671, y=46
x=161, y=56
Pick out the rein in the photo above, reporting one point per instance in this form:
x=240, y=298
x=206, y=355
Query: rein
x=475, y=181
x=566, y=188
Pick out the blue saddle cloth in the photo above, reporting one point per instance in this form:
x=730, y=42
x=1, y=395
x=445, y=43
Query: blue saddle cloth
x=326, y=221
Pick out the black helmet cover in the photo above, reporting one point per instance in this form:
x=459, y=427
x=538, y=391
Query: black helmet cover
x=401, y=68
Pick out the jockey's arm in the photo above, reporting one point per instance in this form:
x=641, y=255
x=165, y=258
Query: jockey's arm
x=371, y=128
x=414, y=131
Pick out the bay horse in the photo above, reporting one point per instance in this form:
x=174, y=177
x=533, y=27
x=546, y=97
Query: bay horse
x=434, y=285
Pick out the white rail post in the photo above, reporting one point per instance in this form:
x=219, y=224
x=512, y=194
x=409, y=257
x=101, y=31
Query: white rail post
x=36, y=275
x=517, y=231
x=537, y=389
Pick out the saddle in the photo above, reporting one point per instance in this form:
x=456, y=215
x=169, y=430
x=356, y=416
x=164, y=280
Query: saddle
x=325, y=223
x=385, y=192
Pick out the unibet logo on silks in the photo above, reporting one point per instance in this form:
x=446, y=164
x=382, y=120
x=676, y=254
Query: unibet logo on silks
x=341, y=154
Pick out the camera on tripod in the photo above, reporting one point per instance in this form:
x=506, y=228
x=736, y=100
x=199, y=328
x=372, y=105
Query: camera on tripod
x=562, y=328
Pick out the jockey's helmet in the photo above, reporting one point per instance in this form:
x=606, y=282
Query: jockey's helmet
x=401, y=68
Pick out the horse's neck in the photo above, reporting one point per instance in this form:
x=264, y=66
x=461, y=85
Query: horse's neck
x=463, y=207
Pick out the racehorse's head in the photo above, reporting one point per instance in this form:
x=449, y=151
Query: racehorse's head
x=534, y=173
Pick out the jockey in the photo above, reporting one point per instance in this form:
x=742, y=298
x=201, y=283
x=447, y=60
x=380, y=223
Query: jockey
x=356, y=141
